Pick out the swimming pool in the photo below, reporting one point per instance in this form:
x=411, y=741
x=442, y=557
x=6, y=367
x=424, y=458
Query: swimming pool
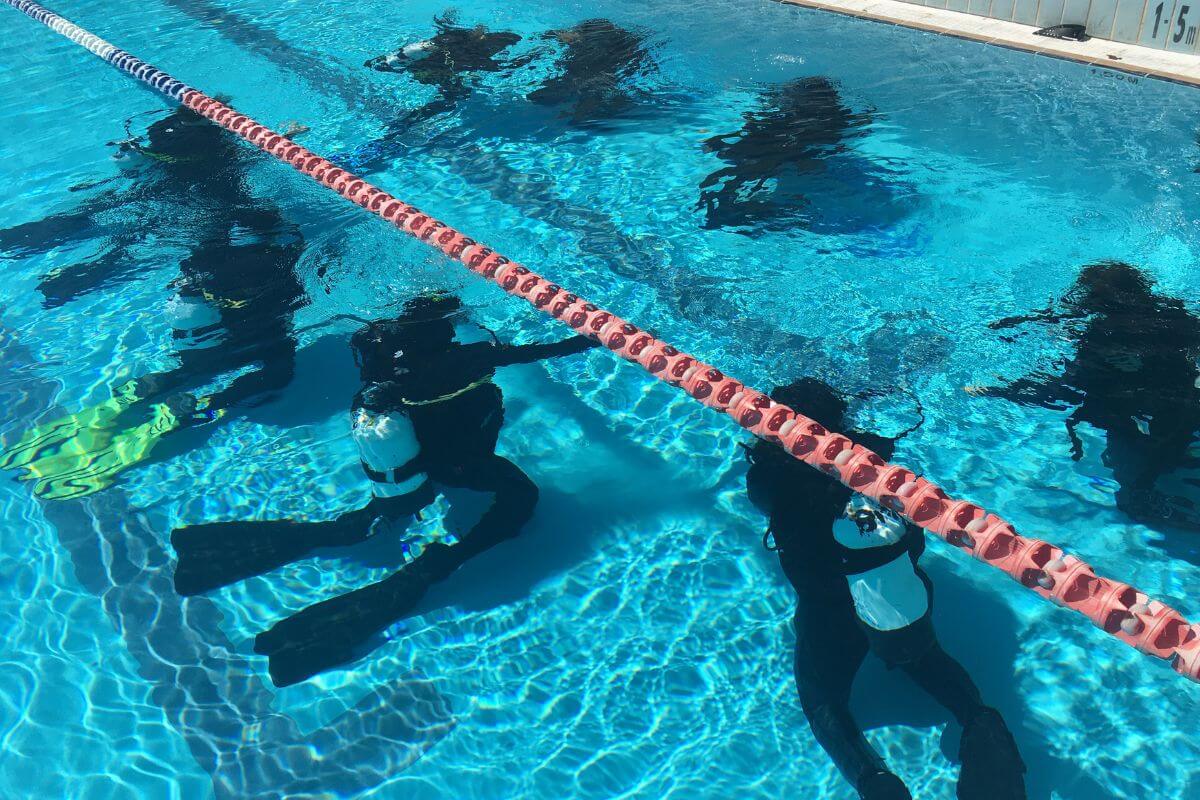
x=635, y=640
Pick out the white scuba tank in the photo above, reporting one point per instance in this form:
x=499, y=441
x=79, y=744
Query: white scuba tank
x=194, y=320
x=414, y=51
x=891, y=596
x=386, y=441
x=418, y=50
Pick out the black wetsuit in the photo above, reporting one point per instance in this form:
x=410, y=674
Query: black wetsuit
x=188, y=175
x=457, y=413
x=240, y=263
x=445, y=62
x=790, y=165
x=598, y=71
x=245, y=275
x=411, y=368
x=831, y=639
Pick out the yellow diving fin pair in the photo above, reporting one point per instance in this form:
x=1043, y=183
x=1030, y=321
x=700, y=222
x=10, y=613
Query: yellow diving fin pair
x=82, y=453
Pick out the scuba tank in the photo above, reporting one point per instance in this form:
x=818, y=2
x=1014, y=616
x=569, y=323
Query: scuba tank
x=888, y=593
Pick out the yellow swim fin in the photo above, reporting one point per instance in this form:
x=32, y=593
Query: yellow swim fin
x=82, y=453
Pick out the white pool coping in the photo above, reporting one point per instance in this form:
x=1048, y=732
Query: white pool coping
x=1127, y=58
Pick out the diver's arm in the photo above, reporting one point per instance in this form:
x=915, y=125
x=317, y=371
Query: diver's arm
x=1047, y=315
x=503, y=355
x=57, y=230
x=1042, y=391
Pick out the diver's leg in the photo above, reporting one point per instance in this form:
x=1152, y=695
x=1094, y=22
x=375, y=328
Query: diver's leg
x=514, y=497
x=196, y=366
x=277, y=369
x=379, y=153
x=992, y=768
x=56, y=230
x=946, y=680
x=217, y=554
x=332, y=632
x=1145, y=468
x=830, y=648
x=157, y=386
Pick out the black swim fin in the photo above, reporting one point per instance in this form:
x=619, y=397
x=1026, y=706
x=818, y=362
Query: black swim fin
x=220, y=553
x=992, y=768
x=882, y=785
x=332, y=632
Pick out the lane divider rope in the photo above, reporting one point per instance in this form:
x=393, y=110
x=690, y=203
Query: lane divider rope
x=1117, y=608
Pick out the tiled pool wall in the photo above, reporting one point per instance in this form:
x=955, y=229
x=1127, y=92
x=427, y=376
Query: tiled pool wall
x=1172, y=25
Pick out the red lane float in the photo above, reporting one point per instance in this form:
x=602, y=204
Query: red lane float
x=1114, y=607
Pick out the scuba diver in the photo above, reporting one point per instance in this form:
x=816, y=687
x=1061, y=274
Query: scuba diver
x=598, y=65
x=428, y=414
x=798, y=138
x=231, y=313
x=1134, y=374
x=443, y=62
x=853, y=565
x=452, y=53
x=184, y=169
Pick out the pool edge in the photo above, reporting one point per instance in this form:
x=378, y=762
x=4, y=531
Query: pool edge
x=1133, y=59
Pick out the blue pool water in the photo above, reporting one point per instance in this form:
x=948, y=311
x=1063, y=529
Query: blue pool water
x=636, y=640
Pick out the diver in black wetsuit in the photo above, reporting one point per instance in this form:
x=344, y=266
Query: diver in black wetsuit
x=238, y=290
x=854, y=567
x=444, y=62
x=232, y=310
x=428, y=414
x=596, y=80
x=795, y=139
x=231, y=307
x=597, y=71
x=1135, y=374
x=187, y=173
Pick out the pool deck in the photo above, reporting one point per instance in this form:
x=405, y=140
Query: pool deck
x=1101, y=53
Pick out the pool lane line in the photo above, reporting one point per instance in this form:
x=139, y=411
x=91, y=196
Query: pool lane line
x=1118, y=609
x=1100, y=54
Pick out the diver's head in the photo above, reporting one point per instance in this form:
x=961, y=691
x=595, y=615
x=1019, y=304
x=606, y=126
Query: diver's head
x=588, y=29
x=188, y=143
x=815, y=399
x=1112, y=286
x=796, y=494
x=429, y=319
x=426, y=326
x=826, y=406
x=379, y=397
x=127, y=149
